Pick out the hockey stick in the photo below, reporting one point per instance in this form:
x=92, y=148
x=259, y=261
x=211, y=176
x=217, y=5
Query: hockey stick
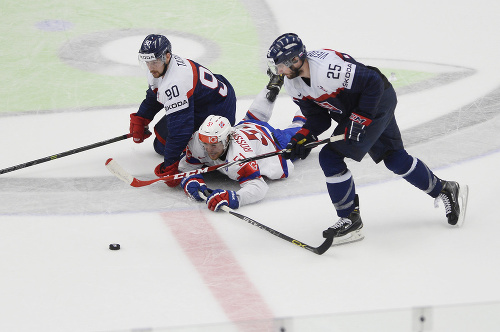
x=317, y=250
x=126, y=177
x=64, y=154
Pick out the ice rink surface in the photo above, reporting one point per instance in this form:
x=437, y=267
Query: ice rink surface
x=182, y=267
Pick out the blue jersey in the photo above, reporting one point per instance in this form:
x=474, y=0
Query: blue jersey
x=188, y=93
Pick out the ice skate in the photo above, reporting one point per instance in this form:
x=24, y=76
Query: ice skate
x=347, y=230
x=454, y=198
x=274, y=85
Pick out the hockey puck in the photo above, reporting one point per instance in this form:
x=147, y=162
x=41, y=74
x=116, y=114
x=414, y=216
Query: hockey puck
x=114, y=246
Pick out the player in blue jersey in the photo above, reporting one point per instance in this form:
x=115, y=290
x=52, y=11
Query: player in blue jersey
x=186, y=93
x=329, y=85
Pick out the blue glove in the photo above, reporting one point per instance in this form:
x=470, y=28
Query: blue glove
x=295, y=148
x=221, y=197
x=193, y=185
x=356, y=128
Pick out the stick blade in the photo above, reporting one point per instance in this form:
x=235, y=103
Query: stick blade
x=324, y=246
x=119, y=172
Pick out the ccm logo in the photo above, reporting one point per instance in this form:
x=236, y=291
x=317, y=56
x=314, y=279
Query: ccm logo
x=360, y=119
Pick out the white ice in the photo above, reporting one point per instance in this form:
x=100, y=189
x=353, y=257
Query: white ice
x=183, y=266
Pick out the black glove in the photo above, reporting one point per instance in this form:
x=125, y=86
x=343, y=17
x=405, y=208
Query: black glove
x=295, y=148
x=356, y=128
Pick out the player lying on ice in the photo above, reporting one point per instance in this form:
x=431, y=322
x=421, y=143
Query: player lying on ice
x=217, y=142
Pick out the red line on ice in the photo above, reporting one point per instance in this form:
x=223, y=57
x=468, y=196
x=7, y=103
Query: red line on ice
x=219, y=269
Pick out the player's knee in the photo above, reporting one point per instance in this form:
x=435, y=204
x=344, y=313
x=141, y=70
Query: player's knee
x=331, y=162
x=159, y=147
x=399, y=162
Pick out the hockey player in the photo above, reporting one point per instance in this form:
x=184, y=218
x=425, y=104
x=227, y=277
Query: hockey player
x=329, y=85
x=217, y=142
x=187, y=92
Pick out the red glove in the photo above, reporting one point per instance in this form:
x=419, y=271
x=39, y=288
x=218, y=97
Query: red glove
x=139, y=128
x=162, y=171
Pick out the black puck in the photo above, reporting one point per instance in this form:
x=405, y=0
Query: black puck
x=114, y=246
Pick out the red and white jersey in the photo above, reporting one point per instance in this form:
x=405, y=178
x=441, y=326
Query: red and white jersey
x=248, y=139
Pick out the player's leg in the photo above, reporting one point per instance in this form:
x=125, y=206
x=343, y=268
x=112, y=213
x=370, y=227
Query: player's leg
x=389, y=148
x=341, y=188
x=421, y=176
x=261, y=109
x=283, y=136
x=161, y=133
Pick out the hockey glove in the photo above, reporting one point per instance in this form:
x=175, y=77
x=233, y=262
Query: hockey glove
x=161, y=170
x=295, y=148
x=193, y=185
x=221, y=197
x=139, y=128
x=356, y=128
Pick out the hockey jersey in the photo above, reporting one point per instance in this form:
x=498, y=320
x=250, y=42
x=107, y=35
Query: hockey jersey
x=188, y=93
x=338, y=86
x=248, y=139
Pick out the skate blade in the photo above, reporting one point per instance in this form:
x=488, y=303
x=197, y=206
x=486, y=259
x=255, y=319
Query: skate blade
x=463, y=197
x=349, y=238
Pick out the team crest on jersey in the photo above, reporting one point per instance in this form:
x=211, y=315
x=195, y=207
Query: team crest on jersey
x=332, y=108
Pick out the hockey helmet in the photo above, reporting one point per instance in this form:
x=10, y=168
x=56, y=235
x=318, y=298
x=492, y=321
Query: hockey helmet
x=215, y=129
x=284, y=49
x=154, y=47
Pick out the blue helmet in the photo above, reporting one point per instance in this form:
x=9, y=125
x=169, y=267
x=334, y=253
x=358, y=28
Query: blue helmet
x=285, y=48
x=154, y=47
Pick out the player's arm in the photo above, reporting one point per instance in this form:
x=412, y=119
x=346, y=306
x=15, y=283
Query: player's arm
x=370, y=86
x=253, y=187
x=179, y=128
x=150, y=106
x=252, y=191
x=139, y=122
x=317, y=118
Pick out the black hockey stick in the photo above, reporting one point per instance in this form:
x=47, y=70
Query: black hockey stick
x=64, y=154
x=126, y=177
x=317, y=250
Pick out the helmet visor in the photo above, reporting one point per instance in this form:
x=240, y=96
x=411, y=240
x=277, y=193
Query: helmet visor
x=149, y=59
x=276, y=68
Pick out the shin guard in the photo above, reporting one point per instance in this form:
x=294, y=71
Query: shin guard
x=414, y=171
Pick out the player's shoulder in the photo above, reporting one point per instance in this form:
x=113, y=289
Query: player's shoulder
x=240, y=142
x=180, y=72
x=194, y=145
x=153, y=82
x=292, y=87
x=246, y=124
x=325, y=59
